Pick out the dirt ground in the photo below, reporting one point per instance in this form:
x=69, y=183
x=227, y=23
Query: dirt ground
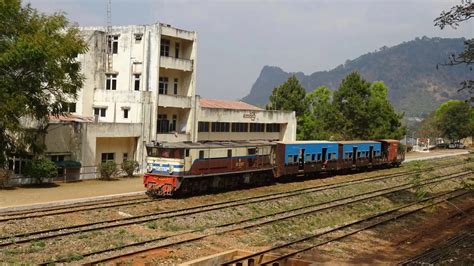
x=403, y=239
x=67, y=191
x=434, y=153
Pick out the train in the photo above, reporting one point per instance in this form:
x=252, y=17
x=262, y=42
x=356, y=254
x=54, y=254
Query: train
x=180, y=168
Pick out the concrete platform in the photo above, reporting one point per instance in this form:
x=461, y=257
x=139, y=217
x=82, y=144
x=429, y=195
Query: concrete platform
x=68, y=193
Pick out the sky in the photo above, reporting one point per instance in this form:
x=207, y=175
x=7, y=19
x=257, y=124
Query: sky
x=237, y=38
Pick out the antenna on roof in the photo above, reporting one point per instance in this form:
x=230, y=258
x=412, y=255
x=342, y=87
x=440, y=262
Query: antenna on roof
x=108, y=37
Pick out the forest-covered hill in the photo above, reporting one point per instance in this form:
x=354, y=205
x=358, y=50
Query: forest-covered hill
x=417, y=87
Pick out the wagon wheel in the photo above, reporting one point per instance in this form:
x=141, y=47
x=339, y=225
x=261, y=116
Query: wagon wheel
x=167, y=190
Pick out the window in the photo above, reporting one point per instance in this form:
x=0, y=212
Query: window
x=125, y=157
x=252, y=151
x=329, y=156
x=136, y=82
x=163, y=85
x=229, y=153
x=295, y=158
x=319, y=156
x=203, y=127
x=176, y=50
x=165, y=47
x=107, y=157
x=163, y=123
x=240, y=127
x=257, y=127
x=290, y=158
x=187, y=152
x=113, y=44
x=201, y=154
x=68, y=107
x=57, y=158
x=358, y=154
x=111, y=82
x=100, y=112
x=220, y=127
x=308, y=157
x=125, y=113
x=138, y=37
x=173, y=123
x=313, y=157
x=273, y=127
x=175, y=87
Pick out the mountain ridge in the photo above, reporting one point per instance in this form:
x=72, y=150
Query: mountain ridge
x=409, y=69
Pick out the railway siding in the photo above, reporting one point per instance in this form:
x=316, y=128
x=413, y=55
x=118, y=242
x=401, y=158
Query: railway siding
x=116, y=239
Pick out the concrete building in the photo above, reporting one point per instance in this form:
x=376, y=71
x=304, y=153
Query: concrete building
x=140, y=87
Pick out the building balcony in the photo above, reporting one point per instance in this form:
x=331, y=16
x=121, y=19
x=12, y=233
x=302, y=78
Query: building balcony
x=177, y=33
x=178, y=101
x=173, y=137
x=176, y=63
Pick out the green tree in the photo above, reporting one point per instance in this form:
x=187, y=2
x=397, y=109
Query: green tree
x=38, y=72
x=350, y=100
x=41, y=169
x=384, y=121
x=362, y=110
x=288, y=96
x=455, y=119
x=460, y=13
x=318, y=120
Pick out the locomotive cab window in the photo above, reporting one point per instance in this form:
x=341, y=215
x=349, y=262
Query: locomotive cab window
x=201, y=154
x=187, y=152
x=252, y=151
x=229, y=153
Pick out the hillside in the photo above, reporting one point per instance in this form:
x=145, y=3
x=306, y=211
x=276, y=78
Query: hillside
x=409, y=70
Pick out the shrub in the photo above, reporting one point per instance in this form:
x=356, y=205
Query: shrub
x=129, y=167
x=41, y=169
x=108, y=170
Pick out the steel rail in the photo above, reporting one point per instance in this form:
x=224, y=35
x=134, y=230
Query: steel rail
x=367, y=196
x=41, y=234
x=456, y=193
x=71, y=209
x=64, y=209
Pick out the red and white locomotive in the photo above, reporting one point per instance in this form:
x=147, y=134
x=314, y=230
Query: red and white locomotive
x=186, y=167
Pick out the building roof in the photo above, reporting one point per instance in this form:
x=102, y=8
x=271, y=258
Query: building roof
x=70, y=118
x=227, y=104
x=212, y=144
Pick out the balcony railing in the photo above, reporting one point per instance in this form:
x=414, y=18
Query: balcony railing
x=177, y=33
x=166, y=100
x=173, y=137
x=176, y=63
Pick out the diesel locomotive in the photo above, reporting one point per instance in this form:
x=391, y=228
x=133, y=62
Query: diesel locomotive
x=196, y=167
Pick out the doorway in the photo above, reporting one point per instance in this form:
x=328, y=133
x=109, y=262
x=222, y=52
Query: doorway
x=354, y=155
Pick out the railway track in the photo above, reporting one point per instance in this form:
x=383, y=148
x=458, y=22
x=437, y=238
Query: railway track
x=70, y=208
x=81, y=228
x=364, y=223
x=103, y=204
x=440, y=253
x=189, y=236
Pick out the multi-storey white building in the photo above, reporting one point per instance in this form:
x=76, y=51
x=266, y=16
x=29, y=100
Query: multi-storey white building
x=140, y=87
